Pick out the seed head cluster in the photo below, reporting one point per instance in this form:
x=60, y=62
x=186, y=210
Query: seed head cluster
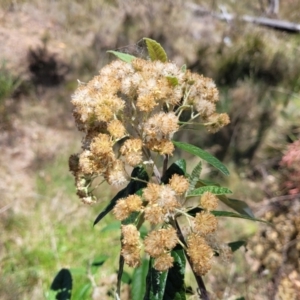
x=129, y=114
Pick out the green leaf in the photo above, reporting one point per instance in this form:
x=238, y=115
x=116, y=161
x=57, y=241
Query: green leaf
x=237, y=205
x=183, y=68
x=131, y=219
x=175, y=287
x=132, y=187
x=178, y=167
x=83, y=292
x=202, y=154
x=172, y=80
x=138, y=280
x=194, y=178
x=203, y=182
x=216, y=190
x=121, y=194
x=222, y=213
x=236, y=245
x=126, y=278
x=155, y=50
x=143, y=231
x=99, y=260
x=62, y=284
x=123, y=56
x=155, y=283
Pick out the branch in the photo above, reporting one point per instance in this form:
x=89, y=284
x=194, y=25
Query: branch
x=267, y=22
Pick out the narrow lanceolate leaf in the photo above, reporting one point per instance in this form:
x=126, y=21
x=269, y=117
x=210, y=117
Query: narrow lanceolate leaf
x=155, y=283
x=155, y=50
x=175, y=288
x=138, y=280
x=111, y=205
x=194, y=178
x=237, y=205
x=178, y=167
x=202, y=154
x=123, y=56
x=216, y=190
x=62, y=284
x=221, y=213
x=132, y=187
x=172, y=80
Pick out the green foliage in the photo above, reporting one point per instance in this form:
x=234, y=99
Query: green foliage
x=155, y=50
x=123, y=56
x=138, y=284
x=175, y=287
x=195, y=176
x=62, y=285
x=202, y=154
x=238, y=205
x=172, y=80
x=133, y=186
x=213, y=189
x=155, y=283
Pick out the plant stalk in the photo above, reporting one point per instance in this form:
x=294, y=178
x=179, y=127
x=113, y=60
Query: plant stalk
x=202, y=289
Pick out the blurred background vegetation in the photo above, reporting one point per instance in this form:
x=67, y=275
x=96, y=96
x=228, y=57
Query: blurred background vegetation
x=45, y=46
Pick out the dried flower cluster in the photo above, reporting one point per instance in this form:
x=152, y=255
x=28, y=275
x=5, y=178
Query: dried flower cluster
x=129, y=114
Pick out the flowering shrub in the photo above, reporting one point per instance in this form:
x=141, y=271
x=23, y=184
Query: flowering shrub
x=129, y=114
x=291, y=163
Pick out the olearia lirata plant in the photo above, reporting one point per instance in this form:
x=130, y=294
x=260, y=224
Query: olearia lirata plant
x=129, y=114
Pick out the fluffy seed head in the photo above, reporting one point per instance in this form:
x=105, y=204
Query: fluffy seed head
x=205, y=223
x=179, y=184
x=209, y=201
x=163, y=262
x=200, y=254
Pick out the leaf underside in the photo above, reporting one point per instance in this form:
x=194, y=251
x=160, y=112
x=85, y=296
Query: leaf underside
x=123, y=56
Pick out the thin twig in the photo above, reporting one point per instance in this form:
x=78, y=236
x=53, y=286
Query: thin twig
x=202, y=289
x=165, y=165
x=120, y=272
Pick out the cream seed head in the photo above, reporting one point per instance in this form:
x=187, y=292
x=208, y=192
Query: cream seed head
x=159, y=241
x=200, y=254
x=162, y=146
x=163, y=262
x=153, y=243
x=132, y=151
x=121, y=210
x=209, y=201
x=205, y=223
x=131, y=255
x=130, y=235
x=179, y=184
x=151, y=192
x=161, y=126
x=167, y=199
x=154, y=214
x=115, y=173
x=116, y=129
x=134, y=203
x=101, y=145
